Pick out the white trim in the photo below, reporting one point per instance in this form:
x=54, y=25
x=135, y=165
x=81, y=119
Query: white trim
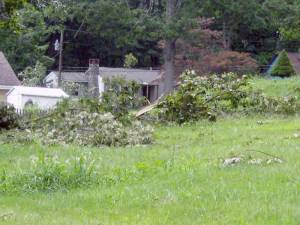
x=5, y=87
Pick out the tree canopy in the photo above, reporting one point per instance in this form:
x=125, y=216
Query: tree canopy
x=152, y=30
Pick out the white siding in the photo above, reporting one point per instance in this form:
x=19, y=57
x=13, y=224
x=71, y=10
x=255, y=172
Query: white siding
x=51, y=81
x=44, y=98
x=42, y=102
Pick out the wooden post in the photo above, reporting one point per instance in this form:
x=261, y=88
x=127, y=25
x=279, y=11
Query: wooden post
x=147, y=92
x=61, y=46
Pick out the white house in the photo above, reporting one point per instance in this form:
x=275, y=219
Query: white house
x=150, y=80
x=44, y=98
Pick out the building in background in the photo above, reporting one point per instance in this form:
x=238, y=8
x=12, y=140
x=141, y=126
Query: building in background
x=8, y=78
x=151, y=81
x=44, y=98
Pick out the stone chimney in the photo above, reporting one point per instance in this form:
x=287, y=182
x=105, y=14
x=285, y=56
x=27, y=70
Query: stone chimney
x=93, y=74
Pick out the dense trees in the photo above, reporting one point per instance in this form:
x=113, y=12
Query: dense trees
x=156, y=32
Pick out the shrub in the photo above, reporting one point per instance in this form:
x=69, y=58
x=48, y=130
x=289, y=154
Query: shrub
x=9, y=119
x=130, y=61
x=202, y=97
x=229, y=61
x=121, y=96
x=206, y=97
x=283, y=66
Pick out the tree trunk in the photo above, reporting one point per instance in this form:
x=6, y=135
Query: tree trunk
x=226, y=37
x=169, y=50
x=169, y=55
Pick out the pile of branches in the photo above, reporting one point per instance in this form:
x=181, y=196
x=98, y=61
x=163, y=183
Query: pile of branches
x=84, y=123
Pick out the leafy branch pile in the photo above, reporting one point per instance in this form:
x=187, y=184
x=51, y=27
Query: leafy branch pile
x=200, y=97
x=94, y=129
x=84, y=122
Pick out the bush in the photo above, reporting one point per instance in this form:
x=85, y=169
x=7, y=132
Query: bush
x=283, y=66
x=207, y=97
x=202, y=97
x=229, y=61
x=9, y=119
x=130, y=61
x=121, y=96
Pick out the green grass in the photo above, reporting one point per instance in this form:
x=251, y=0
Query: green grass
x=277, y=87
x=178, y=180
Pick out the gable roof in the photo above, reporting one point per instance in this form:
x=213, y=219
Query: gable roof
x=141, y=76
x=295, y=61
x=38, y=91
x=7, y=75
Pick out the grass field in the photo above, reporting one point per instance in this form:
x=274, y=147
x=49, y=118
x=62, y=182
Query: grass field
x=180, y=179
x=183, y=180
x=277, y=87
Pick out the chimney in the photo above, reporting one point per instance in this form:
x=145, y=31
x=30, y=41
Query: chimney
x=93, y=74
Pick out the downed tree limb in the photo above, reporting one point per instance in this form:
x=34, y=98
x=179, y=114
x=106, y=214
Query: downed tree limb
x=148, y=108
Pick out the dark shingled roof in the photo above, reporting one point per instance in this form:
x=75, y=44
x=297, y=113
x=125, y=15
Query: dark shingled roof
x=7, y=75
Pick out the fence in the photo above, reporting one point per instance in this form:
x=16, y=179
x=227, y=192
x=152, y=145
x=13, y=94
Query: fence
x=24, y=112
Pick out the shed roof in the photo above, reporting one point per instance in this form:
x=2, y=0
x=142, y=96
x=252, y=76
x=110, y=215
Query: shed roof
x=38, y=91
x=7, y=75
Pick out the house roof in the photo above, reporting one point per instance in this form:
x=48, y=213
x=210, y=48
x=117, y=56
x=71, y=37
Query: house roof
x=141, y=76
x=73, y=76
x=7, y=75
x=295, y=60
x=38, y=91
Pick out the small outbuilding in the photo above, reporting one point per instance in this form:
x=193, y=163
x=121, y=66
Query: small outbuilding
x=43, y=98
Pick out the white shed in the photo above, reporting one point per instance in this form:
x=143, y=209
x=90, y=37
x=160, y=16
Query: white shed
x=44, y=98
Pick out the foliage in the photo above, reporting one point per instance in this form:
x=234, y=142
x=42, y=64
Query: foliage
x=50, y=174
x=130, y=61
x=9, y=119
x=229, y=61
x=75, y=89
x=33, y=76
x=206, y=97
x=85, y=122
x=283, y=66
x=24, y=39
x=92, y=129
x=120, y=96
x=200, y=41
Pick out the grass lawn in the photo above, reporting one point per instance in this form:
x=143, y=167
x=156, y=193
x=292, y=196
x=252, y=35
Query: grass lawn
x=277, y=87
x=178, y=180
